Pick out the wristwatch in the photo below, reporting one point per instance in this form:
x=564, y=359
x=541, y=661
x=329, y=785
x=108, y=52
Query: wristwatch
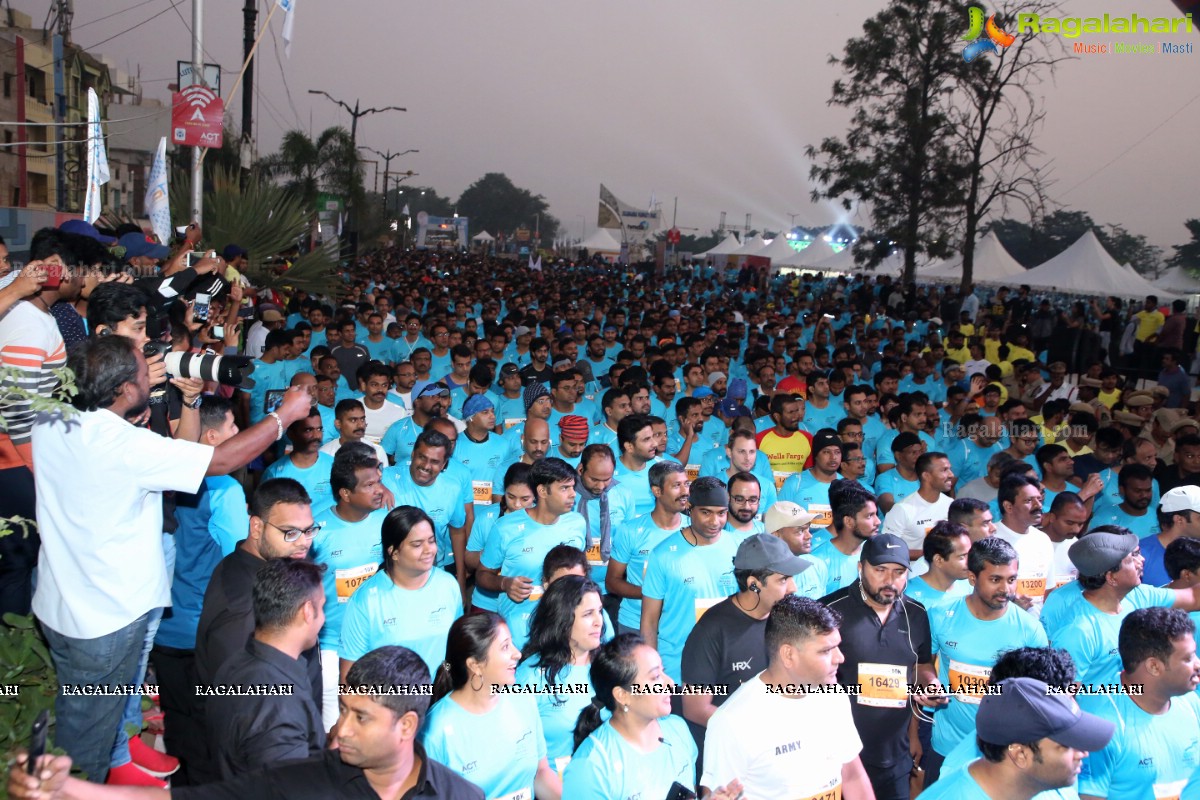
x=195, y=404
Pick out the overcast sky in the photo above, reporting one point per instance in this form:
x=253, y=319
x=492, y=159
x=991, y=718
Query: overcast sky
x=708, y=101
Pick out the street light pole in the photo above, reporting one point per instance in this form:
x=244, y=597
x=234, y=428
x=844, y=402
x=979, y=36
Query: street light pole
x=355, y=113
x=387, y=169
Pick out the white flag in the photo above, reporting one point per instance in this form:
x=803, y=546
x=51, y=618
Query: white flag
x=97, y=160
x=158, y=205
x=289, y=21
x=536, y=266
x=405, y=211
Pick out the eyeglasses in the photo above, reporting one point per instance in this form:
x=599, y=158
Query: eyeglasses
x=737, y=498
x=857, y=460
x=292, y=534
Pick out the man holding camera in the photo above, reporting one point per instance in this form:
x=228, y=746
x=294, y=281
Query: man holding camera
x=103, y=575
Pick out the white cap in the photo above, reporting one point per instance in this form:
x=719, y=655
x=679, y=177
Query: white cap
x=786, y=514
x=1181, y=498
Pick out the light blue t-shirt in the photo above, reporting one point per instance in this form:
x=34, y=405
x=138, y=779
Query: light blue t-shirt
x=485, y=522
x=842, y=569
x=631, y=546
x=516, y=548
x=1143, y=526
x=559, y=710
x=957, y=785
x=483, y=458
x=812, y=495
x=812, y=582
x=621, y=507
x=606, y=766
x=384, y=350
x=688, y=580
x=930, y=597
x=513, y=731
x=1150, y=755
x=968, y=750
x=381, y=613
x=1060, y=606
x=267, y=377
x=400, y=438
x=351, y=553
x=1090, y=635
x=314, y=479
x=967, y=649
x=442, y=500
x=639, y=484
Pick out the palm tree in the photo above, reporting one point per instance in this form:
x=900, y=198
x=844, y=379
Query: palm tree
x=309, y=167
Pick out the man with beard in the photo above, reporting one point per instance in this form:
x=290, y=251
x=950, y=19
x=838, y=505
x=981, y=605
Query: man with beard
x=968, y=634
x=1086, y=619
x=348, y=545
x=915, y=515
x=430, y=401
x=855, y=520
x=786, y=446
x=1020, y=499
x=810, y=489
x=1135, y=482
x=820, y=411
x=886, y=644
x=374, y=381
x=745, y=497
x=635, y=438
x=350, y=419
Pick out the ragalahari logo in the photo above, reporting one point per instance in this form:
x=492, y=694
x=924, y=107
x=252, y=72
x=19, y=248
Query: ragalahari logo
x=996, y=38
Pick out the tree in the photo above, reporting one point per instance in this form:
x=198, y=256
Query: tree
x=309, y=167
x=495, y=204
x=900, y=154
x=996, y=115
x=1035, y=244
x=1132, y=249
x=1187, y=255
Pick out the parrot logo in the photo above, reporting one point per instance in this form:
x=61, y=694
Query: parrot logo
x=977, y=26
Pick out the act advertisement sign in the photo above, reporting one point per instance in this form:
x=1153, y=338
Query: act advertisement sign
x=196, y=117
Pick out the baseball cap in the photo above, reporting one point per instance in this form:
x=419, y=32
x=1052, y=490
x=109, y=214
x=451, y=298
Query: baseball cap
x=139, y=244
x=1025, y=711
x=428, y=389
x=730, y=407
x=737, y=389
x=574, y=427
x=764, y=551
x=1181, y=498
x=520, y=330
x=534, y=392
x=80, y=227
x=885, y=548
x=703, y=391
x=271, y=315
x=826, y=437
x=509, y=370
x=476, y=403
x=786, y=514
x=1100, y=551
x=233, y=251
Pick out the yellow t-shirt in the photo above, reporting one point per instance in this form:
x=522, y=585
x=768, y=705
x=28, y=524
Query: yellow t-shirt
x=1109, y=399
x=1149, y=323
x=962, y=355
x=786, y=454
x=1016, y=353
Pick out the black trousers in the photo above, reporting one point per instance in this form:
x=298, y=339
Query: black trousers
x=19, y=549
x=184, y=730
x=890, y=783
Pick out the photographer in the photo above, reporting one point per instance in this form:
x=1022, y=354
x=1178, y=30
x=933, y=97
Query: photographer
x=103, y=574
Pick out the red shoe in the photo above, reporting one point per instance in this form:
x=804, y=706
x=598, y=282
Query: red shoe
x=131, y=775
x=160, y=765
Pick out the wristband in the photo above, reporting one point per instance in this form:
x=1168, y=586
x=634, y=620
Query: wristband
x=278, y=422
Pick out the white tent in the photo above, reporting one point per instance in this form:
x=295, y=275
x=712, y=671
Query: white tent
x=1177, y=281
x=993, y=264
x=815, y=253
x=729, y=245
x=841, y=261
x=1087, y=268
x=751, y=247
x=483, y=236
x=779, y=251
x=601, y=241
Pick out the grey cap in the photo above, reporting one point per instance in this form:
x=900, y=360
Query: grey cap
x=1025, y=711
x=1099, y=552
x=763, y=551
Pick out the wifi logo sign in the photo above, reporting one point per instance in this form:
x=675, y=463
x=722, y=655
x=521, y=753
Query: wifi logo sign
x=198, y=97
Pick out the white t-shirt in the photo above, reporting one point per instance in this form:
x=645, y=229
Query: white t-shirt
x=332, y=446
x=99, y=486
x=1036, y=554
x=780, y=746
x=1064, y=571
x=378, y=420
x=911, y=519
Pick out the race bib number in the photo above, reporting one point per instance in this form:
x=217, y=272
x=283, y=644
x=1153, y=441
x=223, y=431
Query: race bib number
x=968, y=681
x=1063, y=580
x=780, y=477
x=522, y=794
x=832, y=793
x=348, y=580
x=823, y=514
x=536, y=594
x=593, y=556
x=511, y=421
x=1170, y=790
x=483, y=492
x=703, y=604
x=883, y=685
x=1034, y=587
x=693, y=471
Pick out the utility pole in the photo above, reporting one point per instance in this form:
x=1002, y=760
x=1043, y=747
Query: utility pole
x=249, y=29
x=197, y=70
x=387, y=170
x=355, y=113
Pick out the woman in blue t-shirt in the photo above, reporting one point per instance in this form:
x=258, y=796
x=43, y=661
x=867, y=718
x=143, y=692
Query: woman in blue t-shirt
x=473, y=703
x=565, y=631
x=642, y=747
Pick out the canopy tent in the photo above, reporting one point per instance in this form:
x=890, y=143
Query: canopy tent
x=842, y=261
x=751, y=247
x=729, y=245
x=993, y=264
x=815, y=253
x=1086, y=268
x=601, y=241
x=483, y=236
x=1177, y=281
x=779, y=251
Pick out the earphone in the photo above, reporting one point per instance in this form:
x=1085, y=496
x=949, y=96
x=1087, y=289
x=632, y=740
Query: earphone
x=754, y=588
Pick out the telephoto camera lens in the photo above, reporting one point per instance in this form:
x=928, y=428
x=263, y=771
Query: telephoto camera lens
x=226, y=370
